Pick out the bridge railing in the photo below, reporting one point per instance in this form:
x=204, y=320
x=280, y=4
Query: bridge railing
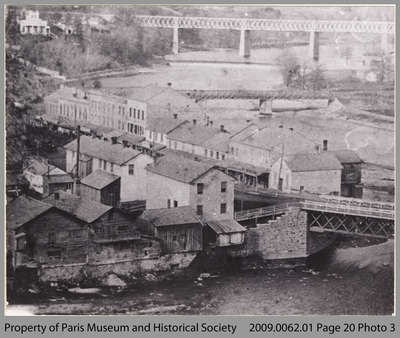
x=348, y=209
x=355, y=202
x=264, y=212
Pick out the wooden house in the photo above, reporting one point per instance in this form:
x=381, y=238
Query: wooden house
x=179, y=229
x=101, y=186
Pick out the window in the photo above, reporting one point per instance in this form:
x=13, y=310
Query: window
x=200, y=188
x=223, y=157
x=122, y=228
x=168, y=203
x=55, y=253
x=75, y=233
x=51, y=238
x=110, y=215
x=301, y=188
x=223, y=186
x=175, y=204
x=199, y=210
x=217, y=154
x=105, y=165
x=223, y=208
x=205, y=152
x=21, y=243
x=175, y=145
x=112, y=167
x=131, y=169
x=174, y=238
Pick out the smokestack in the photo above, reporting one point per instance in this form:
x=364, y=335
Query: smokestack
x=325, y=145
x=175, y=116
x=194, y=122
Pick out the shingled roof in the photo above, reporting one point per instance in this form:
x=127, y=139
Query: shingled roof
x=170, y=216
x=83, y=209
x=313, y=162
x=105, y=150
x=24, y=209
x=183, y=170
x=99, y=179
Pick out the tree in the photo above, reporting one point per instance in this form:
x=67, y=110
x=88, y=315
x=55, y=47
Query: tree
x=383, y=67
x=315, y=78
x=290, y=69
x=12, y=32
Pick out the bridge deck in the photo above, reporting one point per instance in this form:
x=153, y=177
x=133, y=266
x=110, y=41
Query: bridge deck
x=378, y=27
x=335, y=205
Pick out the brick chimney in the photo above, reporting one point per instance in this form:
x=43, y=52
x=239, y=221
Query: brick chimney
x=325, y=145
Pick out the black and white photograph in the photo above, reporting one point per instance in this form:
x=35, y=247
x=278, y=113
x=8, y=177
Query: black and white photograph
x=199, y=159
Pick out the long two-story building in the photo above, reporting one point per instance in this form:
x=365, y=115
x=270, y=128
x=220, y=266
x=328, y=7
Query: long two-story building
x=80, y=105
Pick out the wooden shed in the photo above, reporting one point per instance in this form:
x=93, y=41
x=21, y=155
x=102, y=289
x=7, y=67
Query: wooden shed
x=102, y=186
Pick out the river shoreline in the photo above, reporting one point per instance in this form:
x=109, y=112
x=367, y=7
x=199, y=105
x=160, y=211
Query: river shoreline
x=327, y=289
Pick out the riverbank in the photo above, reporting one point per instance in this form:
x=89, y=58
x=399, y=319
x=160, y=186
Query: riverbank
x=332, y=290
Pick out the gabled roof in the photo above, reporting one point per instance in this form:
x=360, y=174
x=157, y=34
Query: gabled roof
x=346, y=156
x=313, y=162
x=163, y=125
x=194, y=134
x=24, y=209
x=58, y=179
x=226, y=226
x=157, y=96
x=182, y=170
x=105, y=150
x=170, y=216
x=131, y=139
x=271, y=138
x=99, y=179
x=86, y=210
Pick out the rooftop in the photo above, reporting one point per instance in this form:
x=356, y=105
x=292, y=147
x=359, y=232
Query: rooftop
x=83, y=209
x=197, y=135
x=272, y=138
x=105, y=150
x=40, y=166
x=182, y=169
x=163, y=125
x=346, y=156
x=24, y=209
x=171, y=216
x=313, y=162
x=227, y=226
x=99, y=179
x=157, y=96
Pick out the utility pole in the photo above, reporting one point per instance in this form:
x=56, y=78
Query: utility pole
x=280, y=166
x=78, y=144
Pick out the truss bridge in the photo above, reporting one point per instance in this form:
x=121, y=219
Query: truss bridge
x=246, y=25
x=337, y=215
x=262, y=95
